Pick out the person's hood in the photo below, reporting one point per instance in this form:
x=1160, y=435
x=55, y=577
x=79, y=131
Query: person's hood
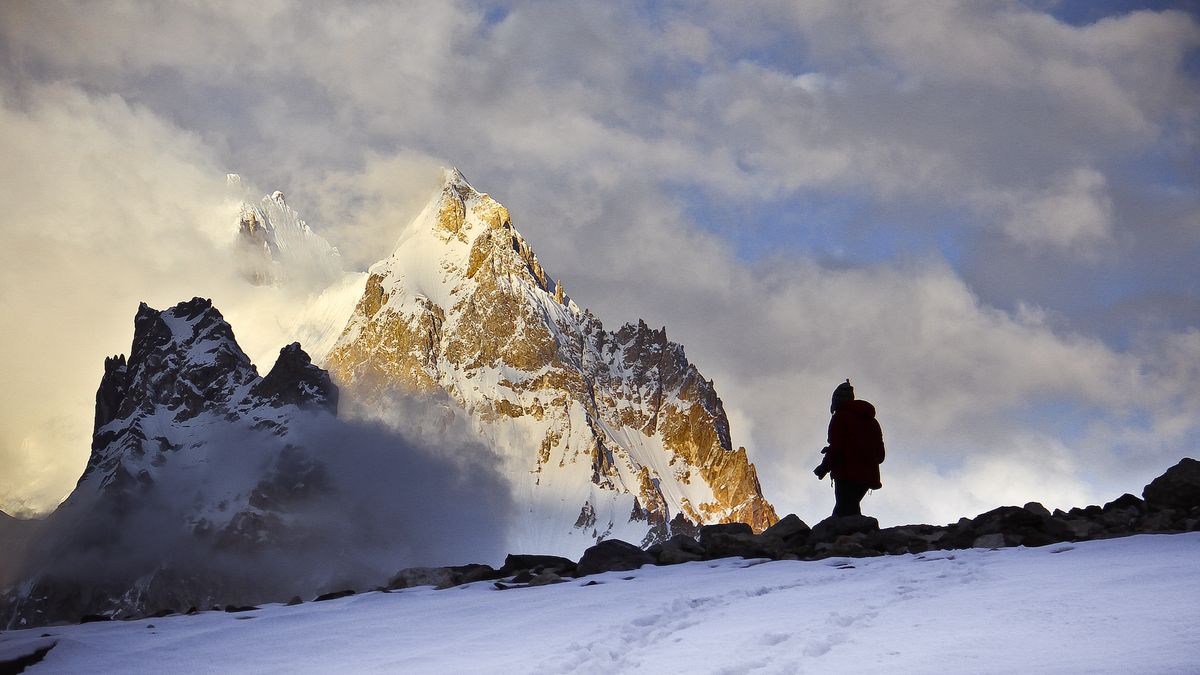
x=857, y=407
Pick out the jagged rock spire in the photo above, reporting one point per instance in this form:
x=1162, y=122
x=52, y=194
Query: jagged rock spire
x=620, y=424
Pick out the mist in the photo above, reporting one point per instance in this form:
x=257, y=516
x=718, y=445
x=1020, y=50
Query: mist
x=341, y=505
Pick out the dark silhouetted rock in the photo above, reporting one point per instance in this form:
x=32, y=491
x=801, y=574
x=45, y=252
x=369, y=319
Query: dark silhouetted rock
x=545, y=578
x=536, y=564
x=789, y=530
x=729, y=540
x=1037, y=508
x=333, y=596
x=833, y=527
x=295, y=380
x=94, y=618
x=678, y=549
x=1178, y=488
x=1125, y=502
x=610, y=555
x=681, y=525
x=295, y=601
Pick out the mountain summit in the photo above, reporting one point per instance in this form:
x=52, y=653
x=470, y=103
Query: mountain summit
x=603, y=434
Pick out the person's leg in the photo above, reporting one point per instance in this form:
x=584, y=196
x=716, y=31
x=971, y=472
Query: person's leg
x=847, y=495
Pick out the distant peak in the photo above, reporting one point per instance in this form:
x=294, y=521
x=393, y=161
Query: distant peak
x=233, y=179
x=278, y=196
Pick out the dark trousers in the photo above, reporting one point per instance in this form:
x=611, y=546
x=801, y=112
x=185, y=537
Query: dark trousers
x=848, y=494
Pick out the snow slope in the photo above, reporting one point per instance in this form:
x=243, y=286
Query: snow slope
x=1111, y=606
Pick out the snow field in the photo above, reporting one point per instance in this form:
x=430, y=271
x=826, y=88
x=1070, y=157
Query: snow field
x=1112, y=606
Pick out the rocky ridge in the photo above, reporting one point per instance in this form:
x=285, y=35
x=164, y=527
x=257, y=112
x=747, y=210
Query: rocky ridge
x=610, y=433
x=189, y=442
x=1170, y=504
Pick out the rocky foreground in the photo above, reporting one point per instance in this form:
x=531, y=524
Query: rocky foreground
x=1170, y=503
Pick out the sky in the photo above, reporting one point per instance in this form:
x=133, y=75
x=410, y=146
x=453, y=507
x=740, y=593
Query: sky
x=985, y=214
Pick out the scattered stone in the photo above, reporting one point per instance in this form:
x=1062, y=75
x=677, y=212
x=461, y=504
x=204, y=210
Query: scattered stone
x=294, y=601
x=613, y=554
x=333, y=596
x=232, y=609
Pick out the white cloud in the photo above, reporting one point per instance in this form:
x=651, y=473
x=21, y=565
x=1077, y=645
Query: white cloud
x=1073, y=213
x=586, y=120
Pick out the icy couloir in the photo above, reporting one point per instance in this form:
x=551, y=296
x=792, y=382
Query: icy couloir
x=603, y=433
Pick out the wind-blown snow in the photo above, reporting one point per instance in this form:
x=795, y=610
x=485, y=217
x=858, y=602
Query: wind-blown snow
x=1112, y=606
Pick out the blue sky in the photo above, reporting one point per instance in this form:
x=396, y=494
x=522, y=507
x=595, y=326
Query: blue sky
x=985, y=213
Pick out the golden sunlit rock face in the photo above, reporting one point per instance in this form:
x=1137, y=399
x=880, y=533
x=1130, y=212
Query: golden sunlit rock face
x=616, y=429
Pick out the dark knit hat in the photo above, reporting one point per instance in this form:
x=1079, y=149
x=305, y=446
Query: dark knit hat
x=844, y=392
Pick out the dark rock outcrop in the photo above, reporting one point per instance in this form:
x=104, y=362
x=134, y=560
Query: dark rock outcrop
x=295, y=380
x=441, y=577
x=678, y=549
x=515, y=564
x=1178, y=488
x=613, y=554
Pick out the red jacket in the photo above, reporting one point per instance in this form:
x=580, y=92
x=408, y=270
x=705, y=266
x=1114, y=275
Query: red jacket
x=855, y=444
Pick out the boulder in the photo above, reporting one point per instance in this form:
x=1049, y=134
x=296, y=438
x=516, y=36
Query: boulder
x=729, y=540
x=790, y=531
x=904, y=539
x=1178, y=488
x=1036, y=507
x=678, y=549
x=536, y=564
x=993, y=540
x=545, y=578
x=833, y=527
x=333, y=596
x=441, y=577
x=612, y=554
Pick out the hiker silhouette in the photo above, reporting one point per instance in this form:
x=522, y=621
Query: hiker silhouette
x=854, y=453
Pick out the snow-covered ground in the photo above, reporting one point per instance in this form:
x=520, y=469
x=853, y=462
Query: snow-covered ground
x=1113, y=606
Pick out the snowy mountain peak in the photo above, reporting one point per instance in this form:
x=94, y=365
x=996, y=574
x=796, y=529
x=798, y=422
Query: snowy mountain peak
x=614, y=434
x=191, y=449
x=277, y=246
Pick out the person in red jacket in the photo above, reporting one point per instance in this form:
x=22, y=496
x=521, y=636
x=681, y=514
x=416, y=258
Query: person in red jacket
x=855, y=451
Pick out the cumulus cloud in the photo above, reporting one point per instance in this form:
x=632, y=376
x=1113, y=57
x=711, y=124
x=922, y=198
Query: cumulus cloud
x=1038, y=148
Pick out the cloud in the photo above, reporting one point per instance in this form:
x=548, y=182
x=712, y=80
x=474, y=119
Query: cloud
x=1051, y=165
x=1074, y=212
x=108, y=206
x=356, y=501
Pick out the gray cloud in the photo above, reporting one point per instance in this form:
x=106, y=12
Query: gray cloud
x=1061, y=157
